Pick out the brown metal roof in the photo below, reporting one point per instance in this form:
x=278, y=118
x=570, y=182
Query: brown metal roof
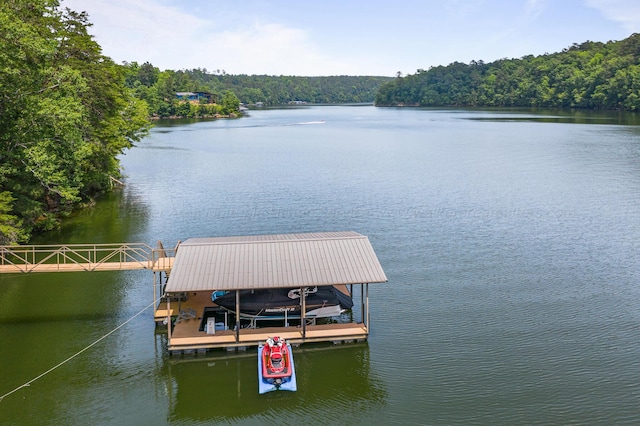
x=269, y=261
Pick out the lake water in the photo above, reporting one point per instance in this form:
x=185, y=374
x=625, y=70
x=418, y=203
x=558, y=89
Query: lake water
x=511, y=240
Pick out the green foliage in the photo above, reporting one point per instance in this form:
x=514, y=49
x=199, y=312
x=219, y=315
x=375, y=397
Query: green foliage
x=230, y=103
x=65, y=115
x=10, y=226
x=158, y=88
x=588, y=75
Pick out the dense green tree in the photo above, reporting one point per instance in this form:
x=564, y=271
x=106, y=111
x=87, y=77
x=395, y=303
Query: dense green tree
x=10, y=226
x=249, y=89
x=183, y=109
x=148, y=74
x=65, y=115
x=586, y=75
x=230, y=102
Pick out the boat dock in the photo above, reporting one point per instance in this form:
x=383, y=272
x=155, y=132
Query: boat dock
x=199, y=267
x=204, y=266
x=188, y=334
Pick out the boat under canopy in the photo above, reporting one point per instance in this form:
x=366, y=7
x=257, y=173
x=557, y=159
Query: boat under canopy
x=250, y=266
x=320, y=302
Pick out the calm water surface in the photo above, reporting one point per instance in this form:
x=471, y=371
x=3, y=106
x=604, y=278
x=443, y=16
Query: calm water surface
x=511, y=240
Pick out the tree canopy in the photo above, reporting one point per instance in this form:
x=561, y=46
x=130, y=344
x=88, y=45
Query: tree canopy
x=159, y=88
x=65, y=116
x=588, y=75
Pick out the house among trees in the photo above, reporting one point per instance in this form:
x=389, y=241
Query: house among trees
x=196, y=97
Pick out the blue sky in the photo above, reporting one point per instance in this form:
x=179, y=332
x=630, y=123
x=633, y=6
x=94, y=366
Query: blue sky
x=346, y=37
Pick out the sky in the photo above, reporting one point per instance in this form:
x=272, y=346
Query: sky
x=346, y=37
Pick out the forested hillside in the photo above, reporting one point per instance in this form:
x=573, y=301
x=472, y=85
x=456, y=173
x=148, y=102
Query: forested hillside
x=158, y=88
x=65, y=116
x=588, y=75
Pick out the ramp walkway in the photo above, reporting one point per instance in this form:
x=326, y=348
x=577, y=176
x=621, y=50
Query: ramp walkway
x=84, y=257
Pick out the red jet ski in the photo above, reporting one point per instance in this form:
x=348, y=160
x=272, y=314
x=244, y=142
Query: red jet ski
x=276, y=360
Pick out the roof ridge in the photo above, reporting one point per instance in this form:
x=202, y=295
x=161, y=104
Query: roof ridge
x=275, y=238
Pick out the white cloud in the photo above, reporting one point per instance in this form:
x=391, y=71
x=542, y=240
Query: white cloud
x=627, y=12
x=266, y=48
x=139, y=31
x=169, y=38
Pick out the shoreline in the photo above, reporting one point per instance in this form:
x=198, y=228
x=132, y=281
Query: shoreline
x=177, y=117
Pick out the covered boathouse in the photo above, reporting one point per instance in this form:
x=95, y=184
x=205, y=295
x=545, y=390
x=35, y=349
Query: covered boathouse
x=206, y=267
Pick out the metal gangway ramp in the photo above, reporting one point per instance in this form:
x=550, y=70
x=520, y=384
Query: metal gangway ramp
x=85, y=257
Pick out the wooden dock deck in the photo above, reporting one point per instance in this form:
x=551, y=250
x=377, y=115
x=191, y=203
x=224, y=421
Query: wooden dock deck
x=163, y=265
x=186, y=334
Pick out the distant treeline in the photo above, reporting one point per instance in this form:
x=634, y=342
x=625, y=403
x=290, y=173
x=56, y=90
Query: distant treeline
x=588, y=75
x=159, y=88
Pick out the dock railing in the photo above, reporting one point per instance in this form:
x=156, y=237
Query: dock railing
x=84, y=257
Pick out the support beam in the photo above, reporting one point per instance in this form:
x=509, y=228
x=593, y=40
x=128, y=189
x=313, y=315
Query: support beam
x=367, y=305
x=362, y=303
x=155, y=292
x=303, y=313
x=237, y=316
x=169, y=320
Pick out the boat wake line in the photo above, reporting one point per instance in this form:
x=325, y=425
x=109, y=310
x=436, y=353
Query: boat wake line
x=27, y=384
x=305, y=123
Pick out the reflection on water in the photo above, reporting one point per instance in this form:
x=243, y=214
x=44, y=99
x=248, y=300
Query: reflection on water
x=120, y=216
x=542, y=115
x=336, y=381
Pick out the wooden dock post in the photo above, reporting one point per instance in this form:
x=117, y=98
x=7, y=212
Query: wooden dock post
x=303, y=301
